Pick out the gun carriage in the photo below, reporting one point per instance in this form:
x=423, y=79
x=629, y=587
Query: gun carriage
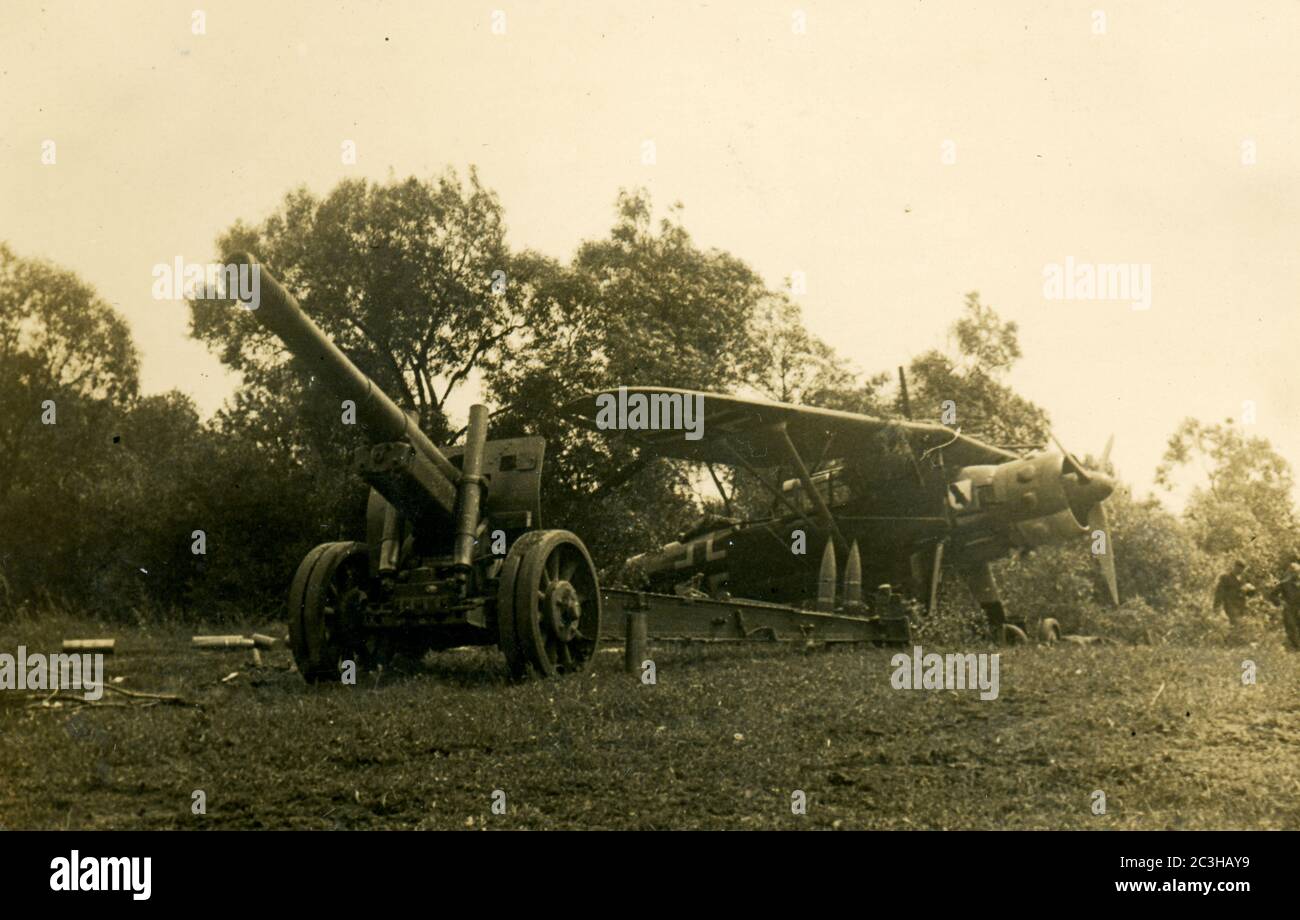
x=425, y=577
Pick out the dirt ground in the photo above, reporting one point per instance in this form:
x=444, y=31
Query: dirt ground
x=724, y=739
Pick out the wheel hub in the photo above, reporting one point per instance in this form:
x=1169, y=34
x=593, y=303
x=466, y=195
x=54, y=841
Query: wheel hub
x=563, y=611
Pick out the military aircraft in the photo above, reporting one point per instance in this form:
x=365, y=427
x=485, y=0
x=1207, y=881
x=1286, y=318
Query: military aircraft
x=904, y=500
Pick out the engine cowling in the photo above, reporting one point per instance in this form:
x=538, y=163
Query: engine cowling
x=1044, y=498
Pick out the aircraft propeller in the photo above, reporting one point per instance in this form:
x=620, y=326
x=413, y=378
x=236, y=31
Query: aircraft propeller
x=1088, y=491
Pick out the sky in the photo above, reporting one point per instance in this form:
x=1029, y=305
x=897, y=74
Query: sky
x=892, y=155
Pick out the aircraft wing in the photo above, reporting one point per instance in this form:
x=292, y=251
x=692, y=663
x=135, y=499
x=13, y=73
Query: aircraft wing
x=752, y=428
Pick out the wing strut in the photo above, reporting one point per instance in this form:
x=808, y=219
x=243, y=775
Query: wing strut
x=776, y=493
x=823, y=512
x=826, y=450
x=726, y=502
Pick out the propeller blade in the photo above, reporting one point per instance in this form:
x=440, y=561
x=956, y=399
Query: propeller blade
x=1073, y=461
x=1105, y=454
x=1097, y=520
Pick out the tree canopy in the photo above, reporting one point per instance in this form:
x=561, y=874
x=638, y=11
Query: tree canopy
x=974, y=381
x=1243, y=505
x=411, y=279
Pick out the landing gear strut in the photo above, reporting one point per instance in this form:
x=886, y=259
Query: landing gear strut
x=979, y=578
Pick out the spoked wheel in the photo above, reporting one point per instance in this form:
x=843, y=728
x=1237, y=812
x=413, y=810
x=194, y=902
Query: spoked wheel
x=548, y=604
x=326, y=601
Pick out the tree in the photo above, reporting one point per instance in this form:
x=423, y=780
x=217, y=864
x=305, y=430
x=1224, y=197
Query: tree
x=1156, y=560
x=973, y=381
x=643, y=306
x=788, y=363
x=59, y=342
x=668, y=311
x=68, y=369
x=411, y=279
x=98, y=510
x=1243, y=506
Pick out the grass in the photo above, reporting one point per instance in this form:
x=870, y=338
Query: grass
x=721, y=741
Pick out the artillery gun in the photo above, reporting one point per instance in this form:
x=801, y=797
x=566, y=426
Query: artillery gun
x=425, y=577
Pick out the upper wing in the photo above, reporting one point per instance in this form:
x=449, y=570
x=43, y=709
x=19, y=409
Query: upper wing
x=751, y=428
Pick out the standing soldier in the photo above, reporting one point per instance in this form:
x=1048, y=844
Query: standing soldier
x=1231, y=592
x=1287, y=593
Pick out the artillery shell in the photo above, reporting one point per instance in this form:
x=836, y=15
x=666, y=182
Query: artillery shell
x=103, y=646
x=221, y=642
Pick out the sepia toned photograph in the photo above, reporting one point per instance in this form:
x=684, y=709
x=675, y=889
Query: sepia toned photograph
x=630, y=416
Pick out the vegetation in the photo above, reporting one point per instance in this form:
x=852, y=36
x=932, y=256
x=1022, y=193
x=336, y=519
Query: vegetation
x=416, y=282
x=1169, y=735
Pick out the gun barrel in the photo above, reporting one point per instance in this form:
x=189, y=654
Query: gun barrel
x=279, y=312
